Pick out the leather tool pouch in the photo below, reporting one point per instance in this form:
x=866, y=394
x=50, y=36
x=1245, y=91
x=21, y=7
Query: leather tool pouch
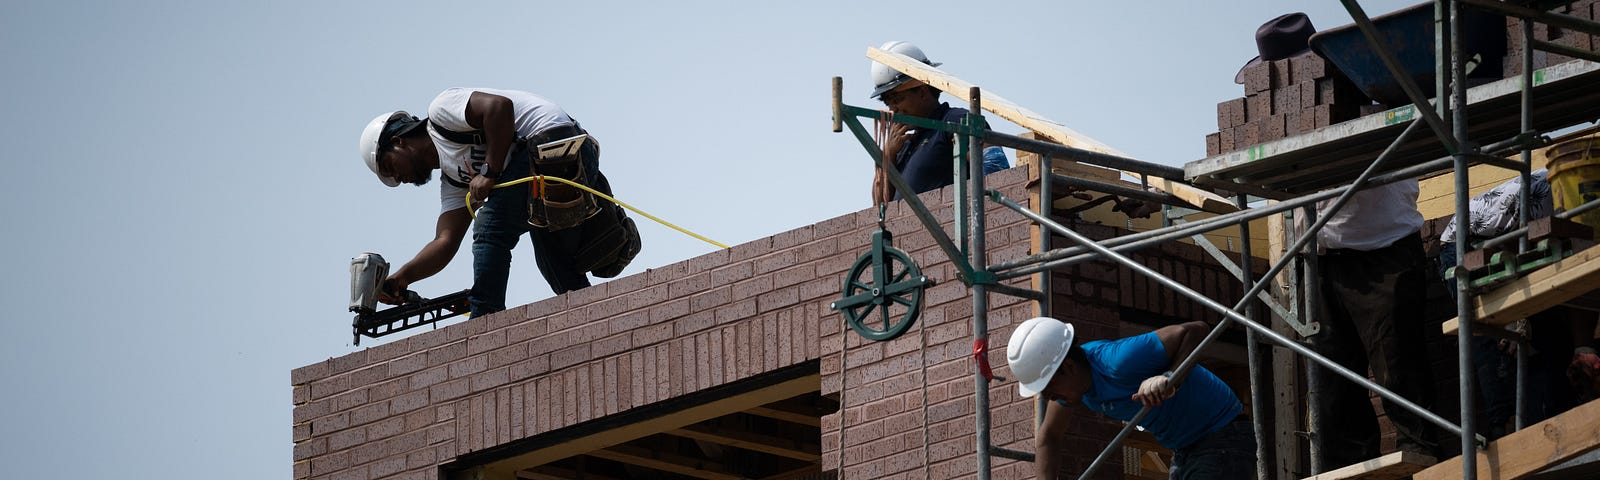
x=555, y=205
x=610, y=241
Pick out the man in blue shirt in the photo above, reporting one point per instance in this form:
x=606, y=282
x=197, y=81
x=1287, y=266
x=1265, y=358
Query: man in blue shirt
x=1202, y=420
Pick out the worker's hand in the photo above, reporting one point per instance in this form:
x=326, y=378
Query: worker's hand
x=899, y=134
x=1154, y=390
x=480, y=188
x=1584, y=358
x=393, y=291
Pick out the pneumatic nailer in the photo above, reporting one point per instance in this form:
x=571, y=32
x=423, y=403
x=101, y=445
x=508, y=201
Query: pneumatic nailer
x=367, y=273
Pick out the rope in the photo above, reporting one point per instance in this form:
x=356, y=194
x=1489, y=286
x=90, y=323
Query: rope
x=844, y=346
x=927, y=472
x=601, y=195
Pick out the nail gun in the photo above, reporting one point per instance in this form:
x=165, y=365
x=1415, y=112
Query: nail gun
x=367, y=273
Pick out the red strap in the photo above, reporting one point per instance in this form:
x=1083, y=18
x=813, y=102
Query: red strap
x=980, y=352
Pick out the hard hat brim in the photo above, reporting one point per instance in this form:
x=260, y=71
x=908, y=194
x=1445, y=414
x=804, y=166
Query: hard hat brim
x=899, y=80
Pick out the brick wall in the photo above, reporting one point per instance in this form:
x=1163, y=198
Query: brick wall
x=407, y=407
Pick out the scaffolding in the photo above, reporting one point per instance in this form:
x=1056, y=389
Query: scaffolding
x=1373, y=150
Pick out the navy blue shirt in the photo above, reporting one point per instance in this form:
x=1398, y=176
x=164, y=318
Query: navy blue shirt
x=927, y=161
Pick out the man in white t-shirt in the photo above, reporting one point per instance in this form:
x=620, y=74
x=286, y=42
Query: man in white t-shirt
x=480, y=137
x=1373, y=288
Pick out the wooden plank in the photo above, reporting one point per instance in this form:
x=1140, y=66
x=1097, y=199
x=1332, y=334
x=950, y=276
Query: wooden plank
x=782, y=447
x=1393, y=466
x=776, y=412
x=694, y=467
x=1067, y=167
x=547, y=472
x=601, y=439
x=808, y=471
x=1530, y=450
x=1051, y=130
x=1540, y=290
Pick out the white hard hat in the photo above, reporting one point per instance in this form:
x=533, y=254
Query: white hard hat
x=375, y=137
x=884, y=78
x=1036, y=350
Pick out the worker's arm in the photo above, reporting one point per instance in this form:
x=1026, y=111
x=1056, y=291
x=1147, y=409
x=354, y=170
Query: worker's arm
x=491, y=114
x=1047, y=437
x=1178, y=341
x=881, y=187
x=447, y=235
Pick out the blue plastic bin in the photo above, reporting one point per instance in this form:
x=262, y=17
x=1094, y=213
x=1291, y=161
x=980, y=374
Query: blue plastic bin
x=1409, y=34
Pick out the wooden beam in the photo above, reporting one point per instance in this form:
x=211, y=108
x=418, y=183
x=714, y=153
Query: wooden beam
x=782, y=447
x=807, y=471
x=694, y=467
x=778, y=413
x=1530, y=450
x=507, y=468
x=1540, y=290
x=1394, y=466
x=548, y=472
x=1051, y=130
x=1067, y=167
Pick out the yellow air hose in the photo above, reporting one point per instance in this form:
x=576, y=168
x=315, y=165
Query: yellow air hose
x=597, y=194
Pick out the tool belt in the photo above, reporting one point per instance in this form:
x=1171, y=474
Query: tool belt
x=610, y=240
x=553, y=205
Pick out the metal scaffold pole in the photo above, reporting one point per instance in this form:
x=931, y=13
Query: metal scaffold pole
x=1458, y=110
x=980, y=297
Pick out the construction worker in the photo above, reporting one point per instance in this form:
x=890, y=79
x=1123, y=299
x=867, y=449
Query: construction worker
x=924, y=157
x=1371, y=316
x=1551, y=333
x=477, y=138
x=1202, y=420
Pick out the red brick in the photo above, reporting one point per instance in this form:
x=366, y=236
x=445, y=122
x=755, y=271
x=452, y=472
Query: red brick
x=738, y=310
x=447, y=353
x=1286, y=99
x=752, y=287
x=1258, y=78
x=448, y=390
x=1251, y=134
x=330, y=386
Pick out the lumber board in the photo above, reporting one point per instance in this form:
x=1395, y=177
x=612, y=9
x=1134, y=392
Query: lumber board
x=1530, y=450
x=1539, y=290
x=1393, y=466
x=1067, y=167
x=1049, y=129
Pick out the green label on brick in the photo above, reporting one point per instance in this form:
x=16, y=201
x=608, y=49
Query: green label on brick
x=1538, y=77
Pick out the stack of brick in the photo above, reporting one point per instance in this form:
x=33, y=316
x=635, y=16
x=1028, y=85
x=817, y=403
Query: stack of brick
x=1284, y=98
x=1583, y=9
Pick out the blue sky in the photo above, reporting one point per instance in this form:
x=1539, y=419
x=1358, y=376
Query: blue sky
x=186, y=193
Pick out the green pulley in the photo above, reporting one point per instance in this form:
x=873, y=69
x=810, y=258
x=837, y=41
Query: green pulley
x=893, y=279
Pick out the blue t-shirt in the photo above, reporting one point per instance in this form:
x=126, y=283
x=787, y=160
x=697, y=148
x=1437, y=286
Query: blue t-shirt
x=1202, y=404
x=927, y=161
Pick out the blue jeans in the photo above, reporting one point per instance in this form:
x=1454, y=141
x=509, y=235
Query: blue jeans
x=1227, y=454
x=502, y=221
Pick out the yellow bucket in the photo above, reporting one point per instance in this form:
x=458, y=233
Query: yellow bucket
x=1575, y=177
